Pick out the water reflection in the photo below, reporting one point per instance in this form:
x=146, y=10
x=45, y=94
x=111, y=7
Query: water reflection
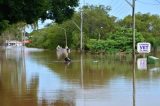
x=134, y=79
x=142, y=63
x=81, y=70
x=145, y=88
x=37, y=78
x=13, y=79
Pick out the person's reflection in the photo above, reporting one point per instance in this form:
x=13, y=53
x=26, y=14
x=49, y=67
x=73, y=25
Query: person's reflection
x=66, y=66
x=133, y=82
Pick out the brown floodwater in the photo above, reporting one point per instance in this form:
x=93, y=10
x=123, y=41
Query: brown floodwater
x=36, y=77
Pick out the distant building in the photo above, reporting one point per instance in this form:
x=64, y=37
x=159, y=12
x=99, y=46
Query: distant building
x=13, y=43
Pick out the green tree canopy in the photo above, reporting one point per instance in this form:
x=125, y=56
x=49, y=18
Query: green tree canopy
x=96, y=20
x=120, y=40
x=29, y=11
x=147, y=24
x=144, y=22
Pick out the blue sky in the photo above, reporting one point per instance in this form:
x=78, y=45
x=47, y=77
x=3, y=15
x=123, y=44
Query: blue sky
x=120, y=8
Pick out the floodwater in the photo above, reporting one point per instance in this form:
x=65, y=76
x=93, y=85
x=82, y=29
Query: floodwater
x=35, y=77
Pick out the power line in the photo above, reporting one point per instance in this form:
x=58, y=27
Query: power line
x=147, y=3
x=119, y=8
x=151, y=6
x=157, y=1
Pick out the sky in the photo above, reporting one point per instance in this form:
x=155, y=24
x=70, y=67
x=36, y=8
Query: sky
x=119, y=8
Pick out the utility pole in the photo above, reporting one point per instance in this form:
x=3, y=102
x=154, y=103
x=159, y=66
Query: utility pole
x=81, y=28
x=133, y=23
x=65, y=37
x=81, y=31
x=134, y=56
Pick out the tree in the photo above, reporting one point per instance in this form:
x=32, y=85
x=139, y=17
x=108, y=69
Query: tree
x=29, y=11
x=120, y=40
x=147, y=24
x=95, y=17
x=13, y=32
x=98, y=21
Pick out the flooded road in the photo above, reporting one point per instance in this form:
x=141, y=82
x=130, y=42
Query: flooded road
x=35, y=77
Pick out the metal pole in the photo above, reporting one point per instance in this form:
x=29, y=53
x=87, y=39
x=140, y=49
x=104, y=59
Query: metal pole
x=24, y=36
x=66, y=37
x=133, y=23
x=133, y=28
x=81, y=27
x=81, y=43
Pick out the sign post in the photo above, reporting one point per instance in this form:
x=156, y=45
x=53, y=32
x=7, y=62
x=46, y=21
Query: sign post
x=143, y=47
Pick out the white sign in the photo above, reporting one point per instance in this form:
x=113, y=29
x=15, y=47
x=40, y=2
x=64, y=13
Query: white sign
x=143, y=47
x=142, y=63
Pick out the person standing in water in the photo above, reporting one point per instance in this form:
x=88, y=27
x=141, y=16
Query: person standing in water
x=67, y=51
